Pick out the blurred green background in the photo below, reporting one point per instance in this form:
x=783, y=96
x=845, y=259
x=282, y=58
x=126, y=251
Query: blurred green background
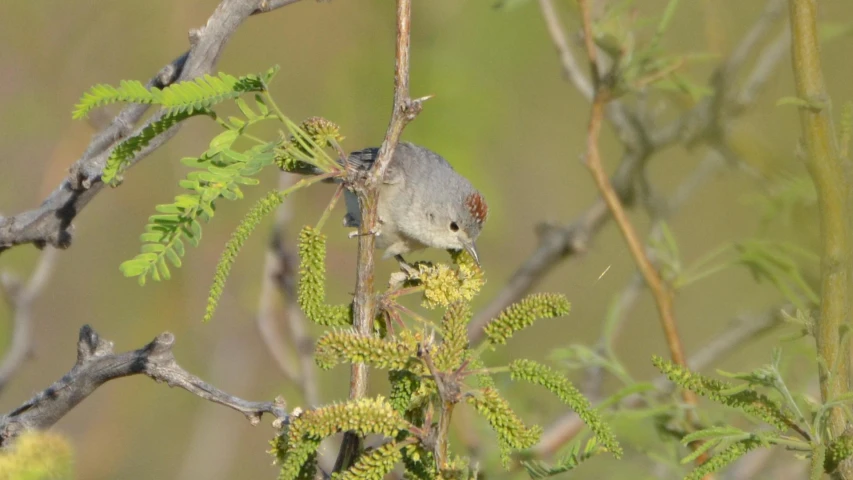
x=502, y=114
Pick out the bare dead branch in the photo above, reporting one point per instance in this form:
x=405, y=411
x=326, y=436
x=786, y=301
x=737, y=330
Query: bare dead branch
x=50, y=223
x=571, y=68
x=21, y=298
x=97, y=364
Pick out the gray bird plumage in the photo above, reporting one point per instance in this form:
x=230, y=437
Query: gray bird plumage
x=423, y=202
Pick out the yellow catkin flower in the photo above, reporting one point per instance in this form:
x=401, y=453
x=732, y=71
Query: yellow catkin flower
x=37, y=455
x=444, y=285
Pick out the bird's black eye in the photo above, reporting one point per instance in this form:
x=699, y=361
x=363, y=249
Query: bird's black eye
x=454, y=226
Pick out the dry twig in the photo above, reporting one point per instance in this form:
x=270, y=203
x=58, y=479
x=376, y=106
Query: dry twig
x=366, y=186
x=97, y=364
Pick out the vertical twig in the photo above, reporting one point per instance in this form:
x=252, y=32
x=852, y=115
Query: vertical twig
x=660, y=291
x=367, y=188
x=831, y=182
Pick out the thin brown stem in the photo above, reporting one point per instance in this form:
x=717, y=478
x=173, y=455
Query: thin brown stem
x=659, y=289
x=366, y=188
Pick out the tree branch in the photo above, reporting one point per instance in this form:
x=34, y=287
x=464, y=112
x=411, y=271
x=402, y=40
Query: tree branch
x=97, y=364
x=832, y=183
x=704, y=123
x=50, y=223
x=366, y=186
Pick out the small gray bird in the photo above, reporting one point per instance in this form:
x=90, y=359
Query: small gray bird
x=423, y=203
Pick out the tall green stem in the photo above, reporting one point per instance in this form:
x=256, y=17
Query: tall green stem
x=831, y=182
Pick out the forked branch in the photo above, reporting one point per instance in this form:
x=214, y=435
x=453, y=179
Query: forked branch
x=97, y=364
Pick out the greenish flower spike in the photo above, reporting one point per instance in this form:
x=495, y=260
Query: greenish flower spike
x=299, y=442
x=363, y=416
x=747, y=400
x=336, y=346
x=373, y=464
x=839, y=450
x=511, y=432
x=419, y=463
x=299, y=152
x=263, y=207
x=454, y=334
x=723, y=458
x=311, y=293
x=404, y=384
x=541, y=375
x=523, y=313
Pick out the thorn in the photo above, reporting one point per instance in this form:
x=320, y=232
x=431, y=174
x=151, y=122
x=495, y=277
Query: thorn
x=424, y=99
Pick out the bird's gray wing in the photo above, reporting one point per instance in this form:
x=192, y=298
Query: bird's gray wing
x=364, y=159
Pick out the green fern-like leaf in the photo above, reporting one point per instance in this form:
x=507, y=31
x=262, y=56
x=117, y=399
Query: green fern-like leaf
x=723, y=458
x=454, y=334
x=125, y=152
x=747, y=400
x=311, y=293
x=185, y=97
x=511, y=431
x=373, y=464
x=181, y=220
x=523, y=313
x=261, y=209
x=336, y=346
x=541, y=375
x=129, y=91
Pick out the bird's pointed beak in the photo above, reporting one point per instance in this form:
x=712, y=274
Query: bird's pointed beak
x=472, y=250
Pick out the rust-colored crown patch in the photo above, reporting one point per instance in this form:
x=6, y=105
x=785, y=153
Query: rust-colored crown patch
x=477, y=207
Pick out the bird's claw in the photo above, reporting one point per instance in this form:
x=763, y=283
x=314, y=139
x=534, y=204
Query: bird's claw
x=411, y=272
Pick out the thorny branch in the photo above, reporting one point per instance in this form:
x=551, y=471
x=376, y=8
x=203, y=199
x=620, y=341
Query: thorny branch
x=366, y=186
x=97, y=364
x=50, y=223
